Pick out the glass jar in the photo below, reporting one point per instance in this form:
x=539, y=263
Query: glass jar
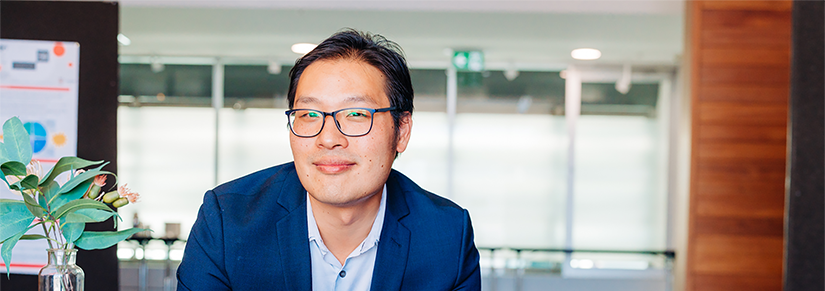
x=61, y=274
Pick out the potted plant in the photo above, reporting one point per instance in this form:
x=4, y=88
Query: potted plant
x=60, y=209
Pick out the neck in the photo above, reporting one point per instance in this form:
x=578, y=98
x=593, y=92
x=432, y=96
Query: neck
x=343, y=228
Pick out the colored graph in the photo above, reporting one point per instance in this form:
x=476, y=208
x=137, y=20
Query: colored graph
x=37, y=135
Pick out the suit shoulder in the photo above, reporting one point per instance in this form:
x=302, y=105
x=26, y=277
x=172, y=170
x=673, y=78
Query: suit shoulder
x=418, y=197
x=256, y=182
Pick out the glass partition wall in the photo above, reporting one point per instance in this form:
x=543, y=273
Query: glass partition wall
x=502, y=152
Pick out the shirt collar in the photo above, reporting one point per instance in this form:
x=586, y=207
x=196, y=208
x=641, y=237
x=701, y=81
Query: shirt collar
x=371, y=239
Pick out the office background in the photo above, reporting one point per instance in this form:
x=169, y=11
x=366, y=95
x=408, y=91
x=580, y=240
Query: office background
x=691, y=159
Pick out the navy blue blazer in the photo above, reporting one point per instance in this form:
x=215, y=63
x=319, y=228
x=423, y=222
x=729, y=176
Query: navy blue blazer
x=251, y=234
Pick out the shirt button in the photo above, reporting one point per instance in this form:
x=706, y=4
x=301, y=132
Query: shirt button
x=342, y=274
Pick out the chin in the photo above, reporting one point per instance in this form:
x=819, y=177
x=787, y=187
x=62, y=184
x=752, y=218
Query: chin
x=338, y=200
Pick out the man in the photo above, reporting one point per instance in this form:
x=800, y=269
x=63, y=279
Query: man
x=338, y=217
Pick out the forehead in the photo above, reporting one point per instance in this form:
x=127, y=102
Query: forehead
x=341, y=82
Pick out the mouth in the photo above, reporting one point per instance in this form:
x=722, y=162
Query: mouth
x=333, y=166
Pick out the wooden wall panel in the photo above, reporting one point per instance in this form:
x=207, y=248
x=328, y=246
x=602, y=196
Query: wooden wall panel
x=738, y=254
x=740, y=62
x=738, y=282
x=745, y=6
x=734, y=92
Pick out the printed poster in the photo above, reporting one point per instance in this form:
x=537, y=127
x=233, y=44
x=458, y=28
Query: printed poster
x=38, y=84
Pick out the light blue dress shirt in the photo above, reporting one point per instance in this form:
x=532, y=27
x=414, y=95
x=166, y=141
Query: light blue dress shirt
x=356, y=273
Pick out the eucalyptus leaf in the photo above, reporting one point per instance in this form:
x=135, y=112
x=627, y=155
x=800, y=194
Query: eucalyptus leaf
x=74, y=223
x=8, y=245
x=15, y=217
x=33, y=207
x=4, y=157
x=93, y=240
x=61, y=199
x=75, y=205
x=72, y=231
x=79, y=179
x=49, y=190
x=41, y=200
x=66, y=164
x=16, y=141
x=27, y=183
x=92, y=215
x=32, y=237
x=13, y=168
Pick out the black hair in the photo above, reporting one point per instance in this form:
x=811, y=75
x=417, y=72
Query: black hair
x=383, y=54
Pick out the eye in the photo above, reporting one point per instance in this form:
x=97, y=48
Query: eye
x=355, y=114
x=309, y=114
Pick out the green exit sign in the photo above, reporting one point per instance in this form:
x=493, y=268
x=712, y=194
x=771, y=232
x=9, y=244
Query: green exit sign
x=472, y=61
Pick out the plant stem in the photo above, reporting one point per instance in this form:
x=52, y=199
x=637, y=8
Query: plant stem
x=47, y=236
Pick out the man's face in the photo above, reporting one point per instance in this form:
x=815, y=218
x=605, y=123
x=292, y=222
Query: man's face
x=334, y=168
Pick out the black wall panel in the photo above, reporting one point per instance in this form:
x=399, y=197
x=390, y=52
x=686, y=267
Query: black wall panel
x=95, y=26
x=805, y=213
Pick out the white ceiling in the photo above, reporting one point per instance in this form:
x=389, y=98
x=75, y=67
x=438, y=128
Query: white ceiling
x=524, y=34
x=533, y=6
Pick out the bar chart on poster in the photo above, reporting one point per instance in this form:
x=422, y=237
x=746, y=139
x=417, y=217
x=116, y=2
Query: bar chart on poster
x=39, y=84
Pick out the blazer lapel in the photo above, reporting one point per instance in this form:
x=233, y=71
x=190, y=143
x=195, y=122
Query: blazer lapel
x=293, y=236
x=394, y=244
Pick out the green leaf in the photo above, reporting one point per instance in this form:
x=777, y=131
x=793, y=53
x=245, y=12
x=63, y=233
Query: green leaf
x=16, y=140
x=75, y=205
x=93, y=240
x=92, y=215
x=79, y=179
x=74, y=223
x=33, y=207
x=4, y=157
x=28, y=182
x=49, y=191
x=8, y=245
x=66, y=164
x=72, y=231
x=41, y=200
x=14, y=168
x=61, y=199
x=15, y=217
x=32, y=237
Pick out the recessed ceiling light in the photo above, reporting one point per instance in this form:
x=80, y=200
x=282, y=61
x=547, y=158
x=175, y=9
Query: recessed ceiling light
x=123, y=39
x=303, y=48
x=586, y=54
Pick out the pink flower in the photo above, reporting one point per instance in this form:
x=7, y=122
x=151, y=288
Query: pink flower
x=127, y=193
x=100, y=180
x=34, y=168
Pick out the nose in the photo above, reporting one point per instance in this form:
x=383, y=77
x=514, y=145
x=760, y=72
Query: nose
x=330, y=137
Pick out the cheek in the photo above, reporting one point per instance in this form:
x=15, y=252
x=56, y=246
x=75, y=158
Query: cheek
x=378, y=151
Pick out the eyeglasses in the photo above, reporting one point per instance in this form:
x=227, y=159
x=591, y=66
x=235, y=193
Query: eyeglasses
x=350, y=121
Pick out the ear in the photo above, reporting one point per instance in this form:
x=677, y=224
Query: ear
x=404, y=129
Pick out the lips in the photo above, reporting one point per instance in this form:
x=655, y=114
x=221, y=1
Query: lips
x=333, y=166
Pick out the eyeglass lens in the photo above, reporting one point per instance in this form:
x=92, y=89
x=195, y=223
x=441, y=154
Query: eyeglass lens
x=353, y=121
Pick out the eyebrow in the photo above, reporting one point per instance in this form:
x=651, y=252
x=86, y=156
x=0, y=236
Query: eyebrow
x=350, y=99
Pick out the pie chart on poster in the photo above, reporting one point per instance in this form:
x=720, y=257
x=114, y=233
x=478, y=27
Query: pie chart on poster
x=37, y=135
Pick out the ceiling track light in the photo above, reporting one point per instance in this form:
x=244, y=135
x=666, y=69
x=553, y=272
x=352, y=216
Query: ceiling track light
x=586, y=54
